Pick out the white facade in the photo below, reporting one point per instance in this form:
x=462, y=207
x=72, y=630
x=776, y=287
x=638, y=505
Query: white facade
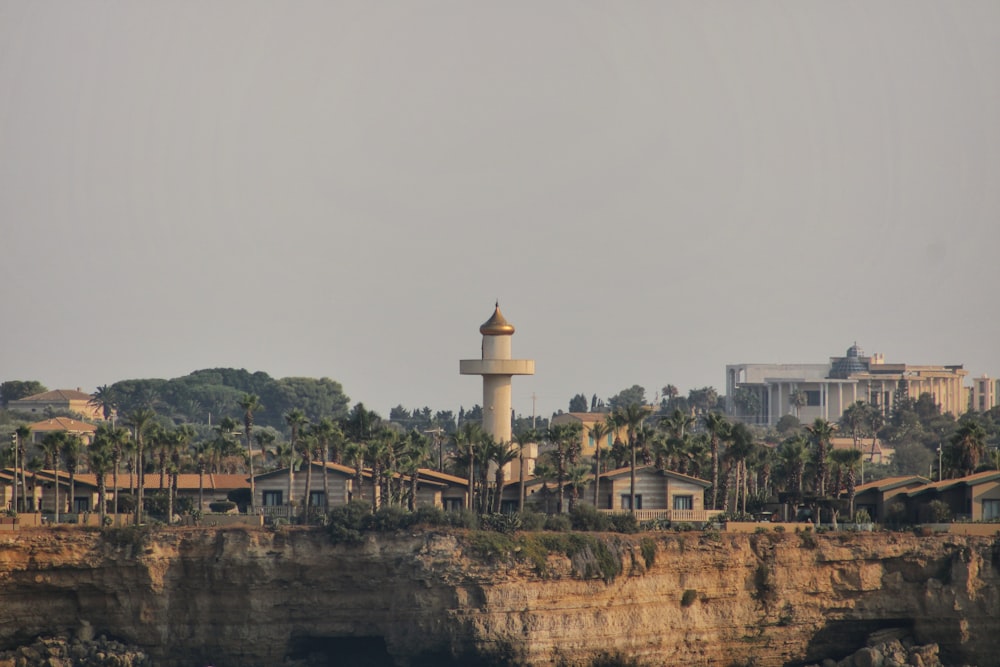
x=808, y=391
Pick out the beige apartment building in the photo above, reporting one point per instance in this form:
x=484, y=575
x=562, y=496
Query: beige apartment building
x=809, y=391
x=984, y=393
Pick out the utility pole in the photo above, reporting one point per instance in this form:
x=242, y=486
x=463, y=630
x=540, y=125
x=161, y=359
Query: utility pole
x=533, y=398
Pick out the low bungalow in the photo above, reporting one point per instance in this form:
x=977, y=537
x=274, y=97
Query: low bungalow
x=875, y=497
x=272, y=488
x=658, y=494
x=974, y=497
x=441, y=490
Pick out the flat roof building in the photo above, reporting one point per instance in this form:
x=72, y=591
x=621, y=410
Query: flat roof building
x=764, y=393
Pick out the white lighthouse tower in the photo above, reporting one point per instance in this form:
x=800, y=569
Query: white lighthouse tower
x=497, y=368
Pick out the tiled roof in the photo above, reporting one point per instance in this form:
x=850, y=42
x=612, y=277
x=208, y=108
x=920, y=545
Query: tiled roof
x=969, y=480
x=62, y=424
x=332, y=467
x=445, y=477
x=588, y=416
x=890, y=483
x=185, y=481
x=669, y=473
x=58, y=395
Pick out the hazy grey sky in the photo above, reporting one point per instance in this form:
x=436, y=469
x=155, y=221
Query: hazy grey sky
x=342, y=189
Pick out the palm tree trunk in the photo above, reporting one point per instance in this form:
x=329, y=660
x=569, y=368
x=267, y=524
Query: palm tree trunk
x=715, y=473
x=597, y=474
x=141, y=483
x=326, y=481
x=114, y=483
x=56, y=470
x=631, y=492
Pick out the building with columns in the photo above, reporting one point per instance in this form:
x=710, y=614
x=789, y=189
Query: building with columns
x=497, y=368
x=763, y=393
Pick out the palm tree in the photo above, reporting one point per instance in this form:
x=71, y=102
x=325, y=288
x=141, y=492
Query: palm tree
x=118, y=439
x=876, y=420
x=105, y=399
x=631, y=417
x=265, y=442
x=249, y=403
x=100, y=459
x=72, y=451
x=820, y=433
x=718, y=429
x=797, y=399
x=308, y=444
x=141, y=420
x=466, y=438
x=599, y=431
x=354, y=454
x=576, y=480
x=502, y=454
x=968, y=447
x=848, y=461
x=740, y=449
x=22, y=435
x=52, y=445
x=377, y=454
x=203, y=453
x=296, y=419
x=326, y=432
x=562, y=437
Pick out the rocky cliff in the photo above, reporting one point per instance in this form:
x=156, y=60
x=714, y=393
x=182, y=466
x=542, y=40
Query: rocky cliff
x=258, y=597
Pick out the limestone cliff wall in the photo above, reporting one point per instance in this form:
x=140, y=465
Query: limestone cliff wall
x=256, y=597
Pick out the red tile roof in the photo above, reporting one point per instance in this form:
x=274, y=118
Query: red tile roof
x=62, y=424
x=58, y=395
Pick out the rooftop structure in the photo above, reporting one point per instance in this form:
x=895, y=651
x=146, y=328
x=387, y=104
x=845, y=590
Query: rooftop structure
x=763, y=393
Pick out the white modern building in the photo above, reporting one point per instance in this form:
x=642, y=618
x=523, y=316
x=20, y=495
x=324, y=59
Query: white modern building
x=763, y=393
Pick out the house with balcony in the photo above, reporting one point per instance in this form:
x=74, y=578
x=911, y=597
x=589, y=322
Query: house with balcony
x=658, y=494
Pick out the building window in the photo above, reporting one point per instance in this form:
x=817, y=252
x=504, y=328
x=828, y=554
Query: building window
x=683, y=502
x=991, y=509
x=813, y=398
x=81, y=505
x=272, y=498
x=316, y=499
x=627, y=501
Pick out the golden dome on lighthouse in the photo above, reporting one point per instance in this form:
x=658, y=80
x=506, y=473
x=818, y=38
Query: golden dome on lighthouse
x=497, y=325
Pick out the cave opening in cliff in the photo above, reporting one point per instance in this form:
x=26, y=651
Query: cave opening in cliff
x=321, y=651
x=843, y=637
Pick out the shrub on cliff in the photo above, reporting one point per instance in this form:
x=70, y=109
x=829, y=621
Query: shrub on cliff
x=347, y=521
x=222, y=506
x=532, y=520
x=624, y=523
x=559, y=523
x=586, y=517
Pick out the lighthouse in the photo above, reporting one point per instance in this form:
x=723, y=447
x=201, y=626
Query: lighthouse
x=497, y=368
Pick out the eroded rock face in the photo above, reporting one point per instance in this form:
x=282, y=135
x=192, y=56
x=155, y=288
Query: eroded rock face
x=256, y=597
